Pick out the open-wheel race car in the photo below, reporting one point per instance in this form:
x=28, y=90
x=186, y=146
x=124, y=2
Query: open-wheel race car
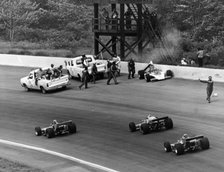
x=187, y=144
x=56, y=129
x=151, y=73
x=151, y=123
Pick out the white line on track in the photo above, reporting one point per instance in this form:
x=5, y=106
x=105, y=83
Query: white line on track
x=59, y=155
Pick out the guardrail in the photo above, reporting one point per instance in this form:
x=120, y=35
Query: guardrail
x=183, y=72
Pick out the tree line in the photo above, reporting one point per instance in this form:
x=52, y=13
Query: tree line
x=67, y=24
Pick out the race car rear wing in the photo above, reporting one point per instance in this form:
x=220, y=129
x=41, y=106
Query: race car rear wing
x=195, y=137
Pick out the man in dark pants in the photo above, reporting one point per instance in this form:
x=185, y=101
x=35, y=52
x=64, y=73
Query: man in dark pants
x=128, y=15
x=105, y=16
x=85, y=75
x=112, y=73
x=114, y=18
x=131, y=69
x=108, y=68
x=200, y=55
x=209, y=88
x=94, y=73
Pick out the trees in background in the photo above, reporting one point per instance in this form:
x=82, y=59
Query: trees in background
x=67, y=23
x=15, y=14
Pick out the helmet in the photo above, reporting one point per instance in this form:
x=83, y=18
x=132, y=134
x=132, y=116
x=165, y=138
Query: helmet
x=55, y=121
x=184, y=136
x=148, y=116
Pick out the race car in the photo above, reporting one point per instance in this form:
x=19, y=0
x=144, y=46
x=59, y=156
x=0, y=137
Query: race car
x=151, y=73
x=187, y=144
x=56, y=129
x=151, y=123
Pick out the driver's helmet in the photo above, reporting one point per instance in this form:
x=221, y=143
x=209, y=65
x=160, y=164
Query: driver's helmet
x=149, y=116
x=185, y=136
x=55, y=121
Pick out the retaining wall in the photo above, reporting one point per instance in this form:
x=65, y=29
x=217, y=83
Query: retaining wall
x=183, y=72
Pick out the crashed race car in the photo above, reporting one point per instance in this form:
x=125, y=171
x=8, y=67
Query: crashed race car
x=187, y=144
x=56, y=129
x=151, y=123
x=151, y=73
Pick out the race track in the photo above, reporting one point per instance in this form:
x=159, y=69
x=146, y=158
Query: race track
x=102, y=114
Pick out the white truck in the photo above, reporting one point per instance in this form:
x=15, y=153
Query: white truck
x=44, y=83
x=75, y=66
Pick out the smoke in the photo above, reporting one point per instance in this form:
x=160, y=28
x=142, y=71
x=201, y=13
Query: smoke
x=165, y=50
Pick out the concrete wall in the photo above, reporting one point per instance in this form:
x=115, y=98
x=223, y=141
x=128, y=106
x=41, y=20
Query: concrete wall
x=193, y=73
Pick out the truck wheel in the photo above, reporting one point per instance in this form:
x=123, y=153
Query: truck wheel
x=169, y=73
x=132, y=126
x=204, y=143
x=148, y=78
x=179, y=149
x=144, y=128
x=50, y=133
x=38, y=131
x=43, y=90
x=26, y=88
x=168, y=123
x=141, y=74
x=72, y=128
x=167, y=146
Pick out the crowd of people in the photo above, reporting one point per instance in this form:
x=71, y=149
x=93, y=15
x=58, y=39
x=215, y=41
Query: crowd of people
x=149, y=18
x=112, y=72
x=49, y=74
x=201, y=58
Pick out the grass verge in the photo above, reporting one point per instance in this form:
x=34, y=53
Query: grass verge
x=10, y=166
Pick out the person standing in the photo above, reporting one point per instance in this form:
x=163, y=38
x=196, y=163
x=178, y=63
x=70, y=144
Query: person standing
x=94, y=73
x=114, y=18
x=112, y=73
x=131, y=69
x=146, y=16
x=209, y=88
x=85, y=75
x=105, y=16
x=128, y=15
x=200, y=55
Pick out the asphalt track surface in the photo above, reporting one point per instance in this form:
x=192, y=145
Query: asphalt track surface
x=102, y=114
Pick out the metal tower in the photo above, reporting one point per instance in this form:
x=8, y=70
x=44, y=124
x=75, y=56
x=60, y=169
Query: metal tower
x=126, y=18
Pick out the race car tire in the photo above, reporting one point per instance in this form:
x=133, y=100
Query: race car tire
x=132, y=126
x=204, y=143
x=168, y=123
x=72, y=128
x=144, y=128
x=38, y=131
x=147, y=78
x=50, y=133
x=179, y=149
x=43, y=90
x=141, y=74
x=167, y=146
x=169, y=73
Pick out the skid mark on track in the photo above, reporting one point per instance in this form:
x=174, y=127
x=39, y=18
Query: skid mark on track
x=71, y=158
